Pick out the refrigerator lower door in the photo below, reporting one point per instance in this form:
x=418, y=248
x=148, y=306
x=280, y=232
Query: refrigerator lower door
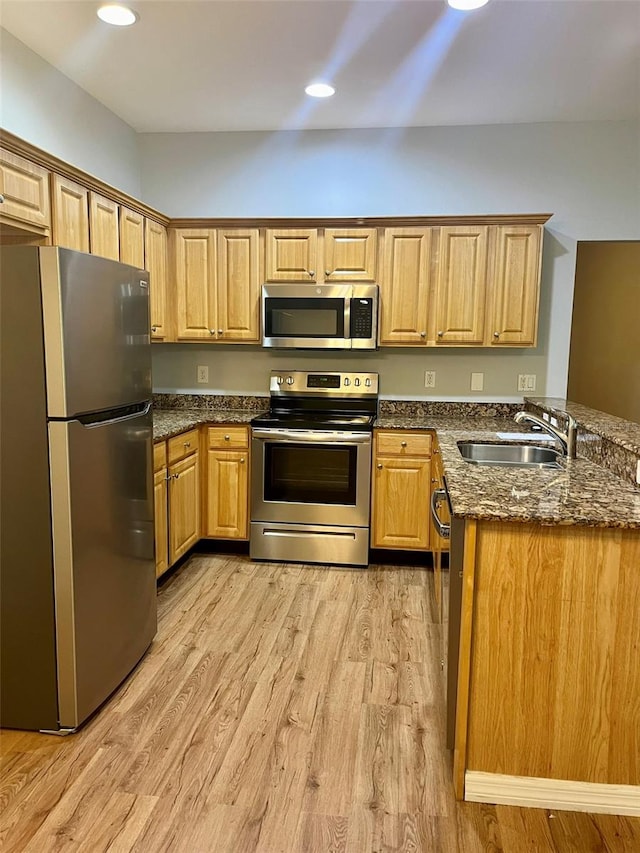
x=104, y=573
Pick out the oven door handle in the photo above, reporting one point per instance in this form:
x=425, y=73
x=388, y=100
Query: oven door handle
x=311, y=437
x=444, y=530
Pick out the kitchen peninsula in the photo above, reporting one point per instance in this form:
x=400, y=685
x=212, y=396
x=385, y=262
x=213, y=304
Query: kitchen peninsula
x=548, y=686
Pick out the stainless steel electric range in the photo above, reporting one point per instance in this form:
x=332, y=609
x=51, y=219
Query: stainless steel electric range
x=311, y=468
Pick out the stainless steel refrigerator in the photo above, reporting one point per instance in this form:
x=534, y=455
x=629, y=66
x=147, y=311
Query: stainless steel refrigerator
x=77, y=576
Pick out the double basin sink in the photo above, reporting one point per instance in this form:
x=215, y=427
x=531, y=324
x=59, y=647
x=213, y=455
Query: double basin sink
x=509, y=455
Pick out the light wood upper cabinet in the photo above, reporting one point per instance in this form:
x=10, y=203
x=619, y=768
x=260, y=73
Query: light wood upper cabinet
x=70, y=214
x=350, y=254
x=291, y=254
x=132, y=238
x=401, y=486
x=193, y=251
x=238, y=285
x=461, y=285
x=227, y=491
x=515, y=286
x=404, y=286
x=25, y=191
x=156, y=261
x=103, y=227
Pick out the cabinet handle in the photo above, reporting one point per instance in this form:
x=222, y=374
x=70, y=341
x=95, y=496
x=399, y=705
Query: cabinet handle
x=496, y=334
x=423, y=334
x=379, y=465
x=440, y=333
x=212, y=331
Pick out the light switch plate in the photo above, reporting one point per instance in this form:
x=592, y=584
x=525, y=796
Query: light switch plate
x=477, y=381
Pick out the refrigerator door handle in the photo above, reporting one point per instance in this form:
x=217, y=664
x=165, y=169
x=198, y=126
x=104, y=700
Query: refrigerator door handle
x=91, y=421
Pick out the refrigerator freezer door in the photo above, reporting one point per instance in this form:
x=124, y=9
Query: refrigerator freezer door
x=104, y=570
x=96, y=332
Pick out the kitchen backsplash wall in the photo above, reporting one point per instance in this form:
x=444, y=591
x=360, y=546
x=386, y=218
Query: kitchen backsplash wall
x=245, y=370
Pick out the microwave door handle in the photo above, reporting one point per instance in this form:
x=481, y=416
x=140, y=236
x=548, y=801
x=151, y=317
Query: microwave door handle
x=347, y=315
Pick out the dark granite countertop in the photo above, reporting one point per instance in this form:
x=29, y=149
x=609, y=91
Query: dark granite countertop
x=169, y=422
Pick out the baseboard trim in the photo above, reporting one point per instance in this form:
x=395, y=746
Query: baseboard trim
x=560, y=794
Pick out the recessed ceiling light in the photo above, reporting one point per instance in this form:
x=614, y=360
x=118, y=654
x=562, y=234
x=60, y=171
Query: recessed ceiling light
x=119, y=16
x=320, y=90
x=467, y=5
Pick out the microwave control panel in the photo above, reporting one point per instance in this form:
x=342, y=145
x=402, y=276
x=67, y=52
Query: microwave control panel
x=361, y=318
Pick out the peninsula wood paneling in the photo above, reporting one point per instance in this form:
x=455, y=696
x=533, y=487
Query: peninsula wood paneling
x=555, y=681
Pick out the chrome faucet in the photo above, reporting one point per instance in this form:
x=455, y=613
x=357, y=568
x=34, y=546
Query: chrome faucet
x=567, y=440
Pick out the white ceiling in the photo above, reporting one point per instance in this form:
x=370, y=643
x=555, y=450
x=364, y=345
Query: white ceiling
x=242, y=64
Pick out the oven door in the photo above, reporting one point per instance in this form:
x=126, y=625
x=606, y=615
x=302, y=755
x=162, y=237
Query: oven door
x=306, y=316
x=311, y=477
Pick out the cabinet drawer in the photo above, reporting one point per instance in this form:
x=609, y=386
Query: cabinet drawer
x=182, y=445
x=159, y=456
x=403, y=444
x=225, y=437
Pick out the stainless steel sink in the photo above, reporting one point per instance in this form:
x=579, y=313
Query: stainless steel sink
x=509, y=455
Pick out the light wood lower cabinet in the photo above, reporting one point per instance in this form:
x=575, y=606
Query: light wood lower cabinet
x=401, y=486
x=184, y=505
x=160, y=500
x=227, y=489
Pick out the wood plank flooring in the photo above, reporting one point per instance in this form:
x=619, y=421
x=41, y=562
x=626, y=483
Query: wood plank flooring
x=281, y=709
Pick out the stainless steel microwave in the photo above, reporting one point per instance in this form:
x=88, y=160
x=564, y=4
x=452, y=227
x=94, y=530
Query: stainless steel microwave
x=320, y=316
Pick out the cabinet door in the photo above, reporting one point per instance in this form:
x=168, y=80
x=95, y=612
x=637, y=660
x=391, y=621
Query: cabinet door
x=400, y=503
x=184, y=506
x=25, y=190
x=70, y=219
x=103, y=227
x=515, y=285
x=238, y=285
x=461, y=285
x=227, y=494
x=404, y=286
x=161, y=531
x=132, y=238
x=291, y=254
x=155, y=248
x=350, y=254
x=194, y=274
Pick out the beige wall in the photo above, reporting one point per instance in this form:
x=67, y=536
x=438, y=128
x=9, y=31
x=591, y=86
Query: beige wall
x=604, y=360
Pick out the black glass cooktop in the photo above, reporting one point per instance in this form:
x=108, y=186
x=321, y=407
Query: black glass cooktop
x=314, y=420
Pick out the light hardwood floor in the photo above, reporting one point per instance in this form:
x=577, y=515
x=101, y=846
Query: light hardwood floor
x=280, y=708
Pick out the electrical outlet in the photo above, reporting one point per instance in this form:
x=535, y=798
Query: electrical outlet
x=429, y=379
x=527, y=382
x=203, y=373
x=477, y=381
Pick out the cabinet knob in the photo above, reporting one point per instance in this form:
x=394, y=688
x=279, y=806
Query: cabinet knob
x=440, y=333
x=423, y=334
x=154, y=329
x=327, y=273
x=187, y=444
x=434, y=480
x=242, y=459
x=311, y=273
x=227, y=437
x=1, y=199
x=212, y=331
x=496, y=334
x=379, y=465
x=403, y=444
x=175, y=476
x=221, y=331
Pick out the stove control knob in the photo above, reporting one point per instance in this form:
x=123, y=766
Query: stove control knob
x=289, y=380
x=347, y=381
x=279, y=380
x=356, y=382
x=367, y=382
